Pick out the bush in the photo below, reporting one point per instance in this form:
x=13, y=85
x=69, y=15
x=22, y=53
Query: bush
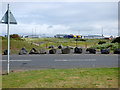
x=112, y=46
x=116, y=40
x=80, y=40
x=101, y=42
x=15, y=36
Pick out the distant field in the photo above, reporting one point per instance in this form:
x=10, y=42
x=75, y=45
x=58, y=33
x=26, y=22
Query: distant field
x=63, y=78
x=29, y=43
x=65, y=42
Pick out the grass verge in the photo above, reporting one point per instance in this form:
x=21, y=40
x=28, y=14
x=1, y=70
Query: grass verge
x=63, y=78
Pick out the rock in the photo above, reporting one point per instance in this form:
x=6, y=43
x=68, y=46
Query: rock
x=77, y=50
x=52, y=51
x=23, y=51
x=91, y=50
x=117, y=51
x=105, y=51
x=52, y=46
x=43, y=51
x=65, y=50
x=34, y=51
x=69, y=47
x=61, y=46
x=5, y=52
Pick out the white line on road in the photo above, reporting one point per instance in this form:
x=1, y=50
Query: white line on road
x=69, y=60
x=16, y=60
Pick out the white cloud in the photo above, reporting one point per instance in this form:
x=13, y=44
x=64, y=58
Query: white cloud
x=55, y=17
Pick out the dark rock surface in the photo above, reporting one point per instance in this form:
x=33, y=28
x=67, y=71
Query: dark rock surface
x=77, y=50
x=91, y=50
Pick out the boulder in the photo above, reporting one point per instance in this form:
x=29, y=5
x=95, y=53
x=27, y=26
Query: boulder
x=5, y=52
x=60, y=46
x=23, y=51
x=91, y=50
x=69, y=47
x=105, y=51
x=77, y=50
x=52, y=51
x=34, y=51
x=65, y=50
x=43, y=51
x=117, y=51
x=52, y=46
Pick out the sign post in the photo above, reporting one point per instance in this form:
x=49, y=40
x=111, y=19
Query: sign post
x=8, y=18
x=8, y=39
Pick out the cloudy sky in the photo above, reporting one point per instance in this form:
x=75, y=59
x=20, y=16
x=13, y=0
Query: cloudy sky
x=84, y=18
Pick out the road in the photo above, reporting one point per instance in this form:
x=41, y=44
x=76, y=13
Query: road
x=50, y=61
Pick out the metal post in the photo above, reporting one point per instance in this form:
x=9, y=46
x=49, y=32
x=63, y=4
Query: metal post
x=76, y=42
x=8, y=38
x=102, y=32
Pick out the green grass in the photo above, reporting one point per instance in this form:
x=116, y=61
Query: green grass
x=17, y=45
x=65, y=41
x=63, y=78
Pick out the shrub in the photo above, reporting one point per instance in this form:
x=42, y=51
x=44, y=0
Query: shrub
x=101, y=42
x=112, y=46
x=80, y=40
x=15, y=36
x=116, y=40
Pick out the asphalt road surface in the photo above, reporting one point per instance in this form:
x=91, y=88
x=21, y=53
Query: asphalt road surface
x=50, y=61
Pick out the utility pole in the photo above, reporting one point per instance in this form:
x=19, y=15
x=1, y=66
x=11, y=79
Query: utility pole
x=35, y=31
x=32, y=32
x=102, y=32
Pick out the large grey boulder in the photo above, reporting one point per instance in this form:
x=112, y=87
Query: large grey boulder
x=91, y=50
x=23, y=51
x=34, y=51
x=78, y=50
x=43, y=51
x=117, y=51
x=65, y=50
x=105, y=51
x=60, y=46
x=52, y=51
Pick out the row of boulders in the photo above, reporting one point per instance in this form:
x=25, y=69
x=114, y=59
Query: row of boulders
x=64, y=50
x=103, y=51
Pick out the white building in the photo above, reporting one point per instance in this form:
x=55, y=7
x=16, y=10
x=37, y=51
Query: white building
x=31, y=36
x=94, y=37
x=60, y=35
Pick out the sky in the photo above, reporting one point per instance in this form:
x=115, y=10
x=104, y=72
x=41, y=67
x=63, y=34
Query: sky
x=50, y=18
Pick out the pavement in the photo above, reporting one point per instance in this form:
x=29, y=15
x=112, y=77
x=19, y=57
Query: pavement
x=59, y=61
